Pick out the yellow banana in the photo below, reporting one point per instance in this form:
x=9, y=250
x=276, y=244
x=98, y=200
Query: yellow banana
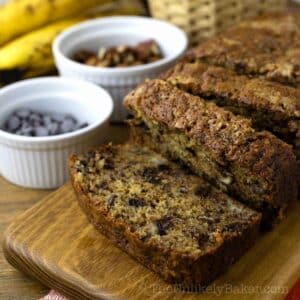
x=21, y=16
x=31, y=55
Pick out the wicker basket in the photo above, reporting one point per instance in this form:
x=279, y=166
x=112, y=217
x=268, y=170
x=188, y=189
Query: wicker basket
x=203, y=18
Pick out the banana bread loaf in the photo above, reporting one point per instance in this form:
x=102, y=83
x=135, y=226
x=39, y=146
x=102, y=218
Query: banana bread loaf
x=267, y=47
x=253, y=166
x=270, y=105
x=171, y=221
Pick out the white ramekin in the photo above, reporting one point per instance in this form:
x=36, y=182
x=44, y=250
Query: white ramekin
x=40, y=162
x=115, y=31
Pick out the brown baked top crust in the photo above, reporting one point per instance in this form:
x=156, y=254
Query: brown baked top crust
x=173, y=222
x=220, y=131
x=255, y=48
x=217, y=129
x=273, y=97
x=228, y=138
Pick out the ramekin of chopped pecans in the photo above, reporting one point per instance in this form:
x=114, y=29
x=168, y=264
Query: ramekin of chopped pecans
x=121, y=56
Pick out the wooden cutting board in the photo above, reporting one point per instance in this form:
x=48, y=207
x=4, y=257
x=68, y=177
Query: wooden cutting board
x=54, y=243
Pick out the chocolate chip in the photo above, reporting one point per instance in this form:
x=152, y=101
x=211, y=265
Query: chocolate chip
x=91, y=154
x=23, y=113
x=67, y=125
x=202, y=239
x=111, y=201
x=58, y=117
x=182, y=164
x=35, y=119
x=183, y=190
x=83, y=162
x=240, y=67
x=83, y=125
x=79, y=168
x=136, y=202
x=47, y=120
x=13, y=123
x=151, y=175
x=25, y=131
x=108, y=165
x=163, y=225
x=102, y=185
x=71, y=118
x=41, y=131
x=53, y=128
x=144, y=126
x=163, y=167
x=233, y=227
x=203, y=190
x=192, y=151
x=221, y=211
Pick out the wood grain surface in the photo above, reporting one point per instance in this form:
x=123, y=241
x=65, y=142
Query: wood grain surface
x=54, y=243
x=14, y=285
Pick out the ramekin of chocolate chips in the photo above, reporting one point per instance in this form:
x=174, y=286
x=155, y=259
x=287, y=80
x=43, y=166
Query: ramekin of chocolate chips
x=121, y=56
x=40, y=126
x=33, y=123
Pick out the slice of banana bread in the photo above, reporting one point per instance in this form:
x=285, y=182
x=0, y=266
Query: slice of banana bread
x=258, y=47
x=253, y=166
x=270, y=105
x=171, y=221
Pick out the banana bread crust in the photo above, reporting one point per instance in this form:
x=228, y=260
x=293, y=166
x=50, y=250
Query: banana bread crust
x=270, y=105
x=208, y=80
x=272, y=52
x=187, y=269
x=230, y=141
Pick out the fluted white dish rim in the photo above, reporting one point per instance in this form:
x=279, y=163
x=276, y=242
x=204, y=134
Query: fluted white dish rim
x=106, y=102
x=135, y=20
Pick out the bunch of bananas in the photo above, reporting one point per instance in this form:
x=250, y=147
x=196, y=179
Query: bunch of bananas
x=28, y=27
